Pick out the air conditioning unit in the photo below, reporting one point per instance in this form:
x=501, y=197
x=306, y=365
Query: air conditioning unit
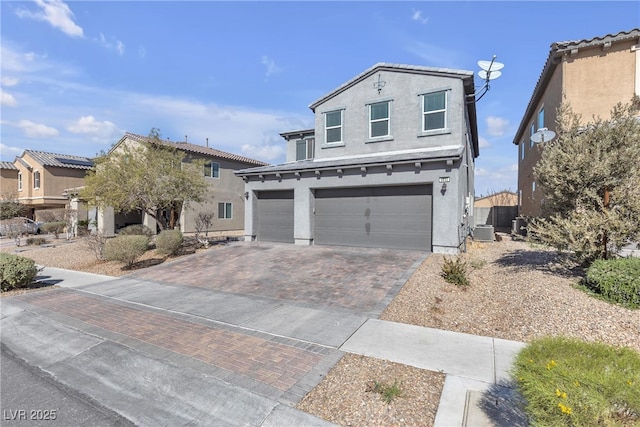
x=484, y=233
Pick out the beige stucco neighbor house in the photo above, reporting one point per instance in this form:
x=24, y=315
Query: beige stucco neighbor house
x=592, y=75
x=40, y=178
x=8, y=180
x=226, y=192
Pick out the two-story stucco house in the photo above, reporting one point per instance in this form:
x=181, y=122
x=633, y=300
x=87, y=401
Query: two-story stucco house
x=40, y=178
x=226, y=191
x=592, y=76
x=389, y=164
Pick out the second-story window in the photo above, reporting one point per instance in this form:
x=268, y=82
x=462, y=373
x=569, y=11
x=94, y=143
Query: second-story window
x=434, y=111
x=36, y=180
x=522, y=150
x=304, y=148
x=333, y=126
x=532, y=130
x=541, y=118
x=19, y=181
x=212, y=170
x=379, y=119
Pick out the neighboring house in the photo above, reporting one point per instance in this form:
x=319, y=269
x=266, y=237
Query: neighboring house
x=497, y=209
x=389, y=163
x=226, y=191
x=8, y=180
x=592, y=76
x=42, y=178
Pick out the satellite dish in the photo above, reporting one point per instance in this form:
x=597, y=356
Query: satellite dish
x=543, y=135
x=491, y=65
x=489, y=75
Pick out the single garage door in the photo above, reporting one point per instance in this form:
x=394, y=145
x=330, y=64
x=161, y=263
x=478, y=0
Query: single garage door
x=385, y=217
x=275, y=216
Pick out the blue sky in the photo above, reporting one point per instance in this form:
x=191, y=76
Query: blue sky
x=76, y=75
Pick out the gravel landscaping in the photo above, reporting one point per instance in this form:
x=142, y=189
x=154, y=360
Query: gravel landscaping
x=517, y=292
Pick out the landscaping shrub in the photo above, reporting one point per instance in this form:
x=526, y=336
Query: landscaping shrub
x=455, y=271
x=16, y=271
x=169, y=241
x=125, y=248
x=136, y=230
x=95, y=242
x=568, y=382
x=616, y=280
x=55, y=227
x=35, y=241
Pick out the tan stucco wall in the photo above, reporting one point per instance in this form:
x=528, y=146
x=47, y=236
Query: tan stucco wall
x=8, y=182
x=498, y=199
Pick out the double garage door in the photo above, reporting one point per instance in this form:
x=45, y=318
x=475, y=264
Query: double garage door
x=386, y=217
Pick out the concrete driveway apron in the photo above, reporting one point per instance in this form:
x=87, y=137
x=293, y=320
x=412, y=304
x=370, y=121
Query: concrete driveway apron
x=232, y=336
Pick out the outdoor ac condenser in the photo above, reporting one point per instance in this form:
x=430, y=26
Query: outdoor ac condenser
x=483, y=233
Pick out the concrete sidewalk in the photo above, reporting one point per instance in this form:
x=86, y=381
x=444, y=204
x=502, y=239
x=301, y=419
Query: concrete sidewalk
x=477, y=390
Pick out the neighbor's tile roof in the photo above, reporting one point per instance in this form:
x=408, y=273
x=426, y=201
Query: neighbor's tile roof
x=8, y=165
x=198, y=149
x=60, y=160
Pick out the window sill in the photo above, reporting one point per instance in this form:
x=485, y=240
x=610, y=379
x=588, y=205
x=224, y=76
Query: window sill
x=379, y=139
x=434, y=132
x=333, y=144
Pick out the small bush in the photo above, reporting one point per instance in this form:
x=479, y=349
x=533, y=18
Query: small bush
x=126, y=249
x=136, y=230
x=55, y=227
x=95, y=242
x=389, y=392
x=16, y=271
x=36, y=241
x=616, y=280
x=455, y=271
x=169, y=241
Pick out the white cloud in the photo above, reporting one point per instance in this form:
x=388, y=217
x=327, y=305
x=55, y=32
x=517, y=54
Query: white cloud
x=88, y=125
x=9, y=81
x=270, y=65
x=433, y=54
x=36, y=130
x=8, y=152
x=56, y=13
x=7, y=99
x=496, y=126
x=483, y=143
x=112, y=44
x=417, y=16
x=267, y=153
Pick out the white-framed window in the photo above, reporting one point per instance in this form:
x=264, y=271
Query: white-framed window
x=305, y=148
x=541, y=118
x=522, y=150
x=434, y=111
x=212, y=169
x=333, y=127
x=533, y=190
x=36, y=180
x=532, y=130
x=225, y=210
x=19, y=181
x=379, y=119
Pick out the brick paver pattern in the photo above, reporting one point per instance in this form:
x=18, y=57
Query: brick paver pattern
x=357, y=279
x=275, y=364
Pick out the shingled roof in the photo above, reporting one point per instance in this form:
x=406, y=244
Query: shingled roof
x=197, y=149
x=59, y=160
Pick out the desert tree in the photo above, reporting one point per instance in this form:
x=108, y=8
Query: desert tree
x=590, y=181
x=148, y=177
x=10, y=207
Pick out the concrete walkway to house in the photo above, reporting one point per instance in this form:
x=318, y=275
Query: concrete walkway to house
x=187, y=343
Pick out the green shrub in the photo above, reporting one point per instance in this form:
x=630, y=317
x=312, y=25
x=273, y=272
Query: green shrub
x=455, y=271
x=568, y=382
x=35, y=241
x=55, y=227
x=616, y=280
x=16, y=271
x=169, y=241
x=136, y=230
x=126, y=249
x=388, y=392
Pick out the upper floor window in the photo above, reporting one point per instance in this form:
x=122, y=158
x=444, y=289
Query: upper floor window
x=532, y=130
x=522, y=150
x=19, y=181
x=333, y=126
x=36, y=180
x=212, y=170
x=305, y=148
x=225, y=210
x=541, y=118
x=379, y=119
x=434, y=111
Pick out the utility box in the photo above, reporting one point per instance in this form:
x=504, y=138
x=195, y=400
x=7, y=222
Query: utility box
x=484, y=233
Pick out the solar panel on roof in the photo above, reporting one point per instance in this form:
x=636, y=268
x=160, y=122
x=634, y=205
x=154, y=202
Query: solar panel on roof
x=74, y=162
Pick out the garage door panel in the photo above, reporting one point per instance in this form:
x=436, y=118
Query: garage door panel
x=393, y=217
x=275, y=216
